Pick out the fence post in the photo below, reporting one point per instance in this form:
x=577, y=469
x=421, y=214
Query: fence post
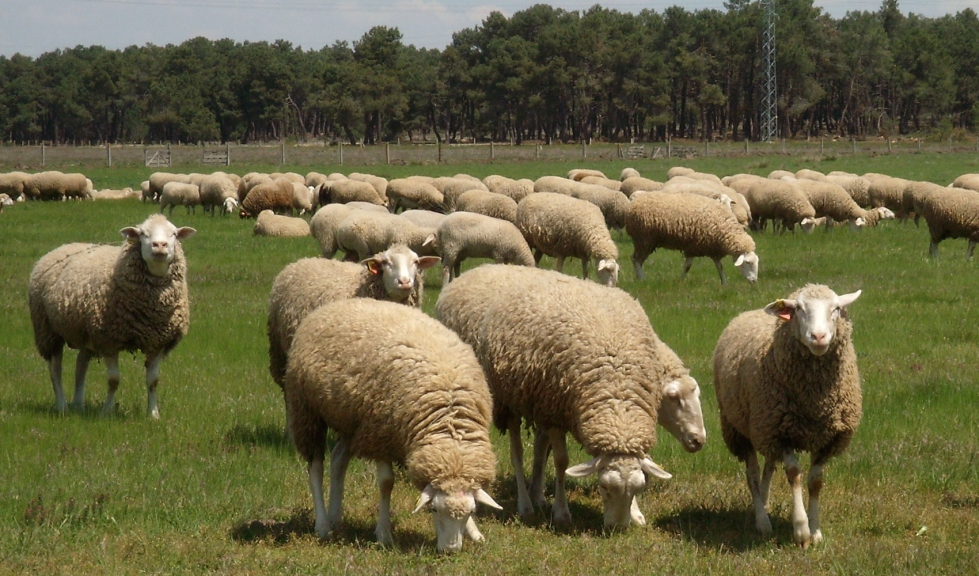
x=440, y=151
x=820, y=146
x=387, y=153
x=108, y=154
x=888, y=144
x=282, y=148
x=43, y=153
x=341, y=153
x=583, y=152
x=227, y=153
x=783, y=145
x=169, y=156
x=537, y=149
x=745, y=146
x=949, y=143
x=853, y=145
x=492, y=151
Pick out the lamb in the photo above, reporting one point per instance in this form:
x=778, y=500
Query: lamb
x=951, y=213
x=566, y=227
x=635, y=184
x=396, y=387
x=269, y=223
x=544, y=341
x=694, y=225
x=303, y=286
x=488, y=203
x=406, y=193
x=277, y=196
x=180, y=194
x=14, y=184
x=515, y=189
x=786, y=379
x=103, y=300
x=55, y=185
x=364, y=233
x=323, y=225
x=468, y=235
x=215, y=190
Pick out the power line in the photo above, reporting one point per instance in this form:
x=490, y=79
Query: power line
x=769, y=101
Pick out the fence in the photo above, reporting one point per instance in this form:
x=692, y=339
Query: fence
x=34, y=157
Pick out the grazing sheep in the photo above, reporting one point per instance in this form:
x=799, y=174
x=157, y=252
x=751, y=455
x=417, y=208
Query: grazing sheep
x=576, y=174
x=856, y=186
x=396, y=387
x=914, y=196
x=566, y=227
x=303, y=286
x=363, y=233
x=290, y=176
x=269, y=223
x=635, y=184
x=888, y=192
x=303, y=198
x=786, y=379
x=694, y=225
x=249, y=181
x=628, y=173
x=515, y=189
x=951, y=213
x=568, y=355
x=554, y=184
x=468, y=235
x=55, y=185
x=808, y=174
x=452, y=188
x=423, y=218
x=277, y=196
x=967, y=181
x=692, y=175
x=409, y=193
x=380, y=184
x=215, y=190
x=778, y=200
x=604, y=182
x=614, y=205
x=14, y=184
x=315, y=179
x=323, y=225
x=487, y=203
x=779, y=174
x=102, y=300
x=158, y=180
x=832, y=200
x=180, y=194
x=343, y=191
x=124, y=194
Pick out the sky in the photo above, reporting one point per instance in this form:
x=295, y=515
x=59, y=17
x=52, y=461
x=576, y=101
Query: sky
x=33, y=27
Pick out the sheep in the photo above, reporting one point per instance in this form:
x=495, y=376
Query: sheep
x=215, y=190
x=126, y=193
x=469, y=235
x=675, y=171
x=779, y=174
x=55, y=185
x=856, y=186
x=407, y=193
x=628, y=173
x=277, y=196
x=102, y=300
x=786, y=379
x=694, y=225
x=568, y=355
x=363, y=233
x=423, y=218
x=635, y=184
x=343, y=191
x=605, y=182
x=14, y=184
x=397, y=387
x=180, y=194
x=692, y=175
x=269, y=223
x=888, y=192
x=158, y=180
x=951, y=213
x=566, y=227
x=808, y=174
x=290, y=176
x=914, y=196
x=303, y=286
x=576, y=174
x=515, y=189
x=967, y=181
x=829, y=199
x=452, y=188
x=315, y=179
x=554, y=184
x=488, y=203
x=778, y=200
x=249, y=181
x=323, y=225
x=303, y=198
x=380, y=184
x=614, y=205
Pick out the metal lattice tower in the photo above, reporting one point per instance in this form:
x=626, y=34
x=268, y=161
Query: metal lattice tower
x=769, y=100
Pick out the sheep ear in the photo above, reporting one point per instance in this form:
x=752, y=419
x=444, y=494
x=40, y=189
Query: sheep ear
x=587, y=468
x=429, y=240
x=426, y=262
x=653, y=469
x=424, y=498
x=740, y=260
x=130, y=233
x=484, y=498
x=784, y=309
x=372, y=265
x=847, y=299
x=185, y=232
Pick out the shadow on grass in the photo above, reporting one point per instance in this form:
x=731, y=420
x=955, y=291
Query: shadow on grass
x=719, y=529
x=88, y=412
x=585, y=517
x=258, y=435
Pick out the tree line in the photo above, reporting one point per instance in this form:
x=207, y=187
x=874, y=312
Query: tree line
x=543, y=74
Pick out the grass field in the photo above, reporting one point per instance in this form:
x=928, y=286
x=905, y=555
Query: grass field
x=213, y=488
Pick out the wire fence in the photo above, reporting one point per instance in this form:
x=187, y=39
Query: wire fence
x=44, y=155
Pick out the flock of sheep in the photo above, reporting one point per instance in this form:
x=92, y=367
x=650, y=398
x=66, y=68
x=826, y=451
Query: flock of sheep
x=513, y=344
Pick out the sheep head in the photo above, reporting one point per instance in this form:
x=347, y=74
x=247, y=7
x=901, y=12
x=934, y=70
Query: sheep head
x=813, y=314
x=680, y=413
x=452, y=513
x=608, y=272
x=158, y=239
x=747, y=263
x=397, y=266
x=620, y=479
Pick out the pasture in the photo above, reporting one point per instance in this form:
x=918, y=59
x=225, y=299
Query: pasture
x=213, y=487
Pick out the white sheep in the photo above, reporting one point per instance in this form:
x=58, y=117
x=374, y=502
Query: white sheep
x=694, y=225
x=276, y=195
x=102, y=300
x=423, y=218
x=215, y=190
x=55, y=185
x=126, y=193
x=397, y=387
x=567, y=355
x=566, y=227
x=832, y=200
x=469, y=235
x=487, y=203
x=613, y=204
x=778, y=200
x=14, y=184
x=628, y=173
x=604, y=182
x=158, y=180
x=451, y=188
x=323, y=225
x=364, y=233
x=515, y=189
x=951, y=213
x=635, y=184
x=576, y=174
x=786, y=380
x=269, y=223
x=180, y=194
x=410, y=193
x=967, y=181
x=380, y=184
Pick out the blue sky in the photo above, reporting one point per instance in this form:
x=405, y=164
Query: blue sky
x=33, y=27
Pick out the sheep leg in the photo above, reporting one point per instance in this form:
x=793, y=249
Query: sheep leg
x=800, y=523
x=457, y=269
x=81, y=369
x=542, y=449
x=315, y=472
x=720, y=271
x=584, y=268
x=472, y=531
x=635, y=513
x=559, y=509
x=385, y=484
x=559, y=264
x=524, y=506
x=152, y=380
x=933, y=249
x=758, y=499
x=639, y=254
x=537, y=257
x=54, y=368
x=815, y=486
x=339, y=460
x=446, y=273
x=766, y=480
x=112, y=371
x=972, y=247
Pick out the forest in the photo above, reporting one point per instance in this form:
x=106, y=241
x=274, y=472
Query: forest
x=544, y=74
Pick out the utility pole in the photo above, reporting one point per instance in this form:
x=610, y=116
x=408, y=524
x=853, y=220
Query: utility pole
x=769, y=100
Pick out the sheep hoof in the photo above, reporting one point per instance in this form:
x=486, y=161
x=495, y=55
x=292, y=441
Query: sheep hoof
x=817, y=537
x=764, y=525
x=562, y=517
x=802, y=537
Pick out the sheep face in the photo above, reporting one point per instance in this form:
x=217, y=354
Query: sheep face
x=230, y=205
x=813, y=316
x=608, y=272
x=680, y=413
x=620, y=479
x=398, y=267
x=452, y=514
x=747, y=263
x=158, y=242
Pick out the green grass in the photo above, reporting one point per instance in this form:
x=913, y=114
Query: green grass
x=213, y=488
